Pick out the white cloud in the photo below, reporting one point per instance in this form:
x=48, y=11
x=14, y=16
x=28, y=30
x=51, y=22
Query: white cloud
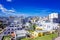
x=4, y=10
x=9, y=0
x=10, y=12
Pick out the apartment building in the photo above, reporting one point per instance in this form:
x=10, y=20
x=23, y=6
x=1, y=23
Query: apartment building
x=54, y=17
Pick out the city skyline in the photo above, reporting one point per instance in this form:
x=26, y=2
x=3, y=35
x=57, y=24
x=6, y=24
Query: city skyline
x=28, y=7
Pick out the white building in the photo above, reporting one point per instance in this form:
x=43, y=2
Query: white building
x=15, y=25
x=20, y=33
x=54, y=17
x=48, y=26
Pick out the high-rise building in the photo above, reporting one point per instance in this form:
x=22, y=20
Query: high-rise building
x=54, y=17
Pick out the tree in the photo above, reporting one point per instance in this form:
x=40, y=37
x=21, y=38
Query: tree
x=34, y=26
x=2, y=25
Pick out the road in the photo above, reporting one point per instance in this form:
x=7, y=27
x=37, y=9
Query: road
x=58, y=38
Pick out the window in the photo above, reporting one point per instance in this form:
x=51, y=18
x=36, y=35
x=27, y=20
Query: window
x=19, y=28
x=40, y=25
x=4, y=32
x=11, y=26
x=12, y=32
x=12, y=29
x=15, y=29
x=8, y=29
x=15, y=26
x=8, y=32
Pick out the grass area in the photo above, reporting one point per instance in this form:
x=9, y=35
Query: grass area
x=7, y=38
x=46, y=37
x=31, y=31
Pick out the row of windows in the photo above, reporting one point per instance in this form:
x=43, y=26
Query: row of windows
x=16, y=29
x=16, y=26
x=7, y=32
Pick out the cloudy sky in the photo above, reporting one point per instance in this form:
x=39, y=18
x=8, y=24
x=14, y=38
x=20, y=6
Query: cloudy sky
x=29, y=7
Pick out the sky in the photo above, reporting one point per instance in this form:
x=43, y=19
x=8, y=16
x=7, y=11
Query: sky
x=29, y=7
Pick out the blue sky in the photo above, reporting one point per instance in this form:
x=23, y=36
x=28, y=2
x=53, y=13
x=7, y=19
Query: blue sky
x=29, y=7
